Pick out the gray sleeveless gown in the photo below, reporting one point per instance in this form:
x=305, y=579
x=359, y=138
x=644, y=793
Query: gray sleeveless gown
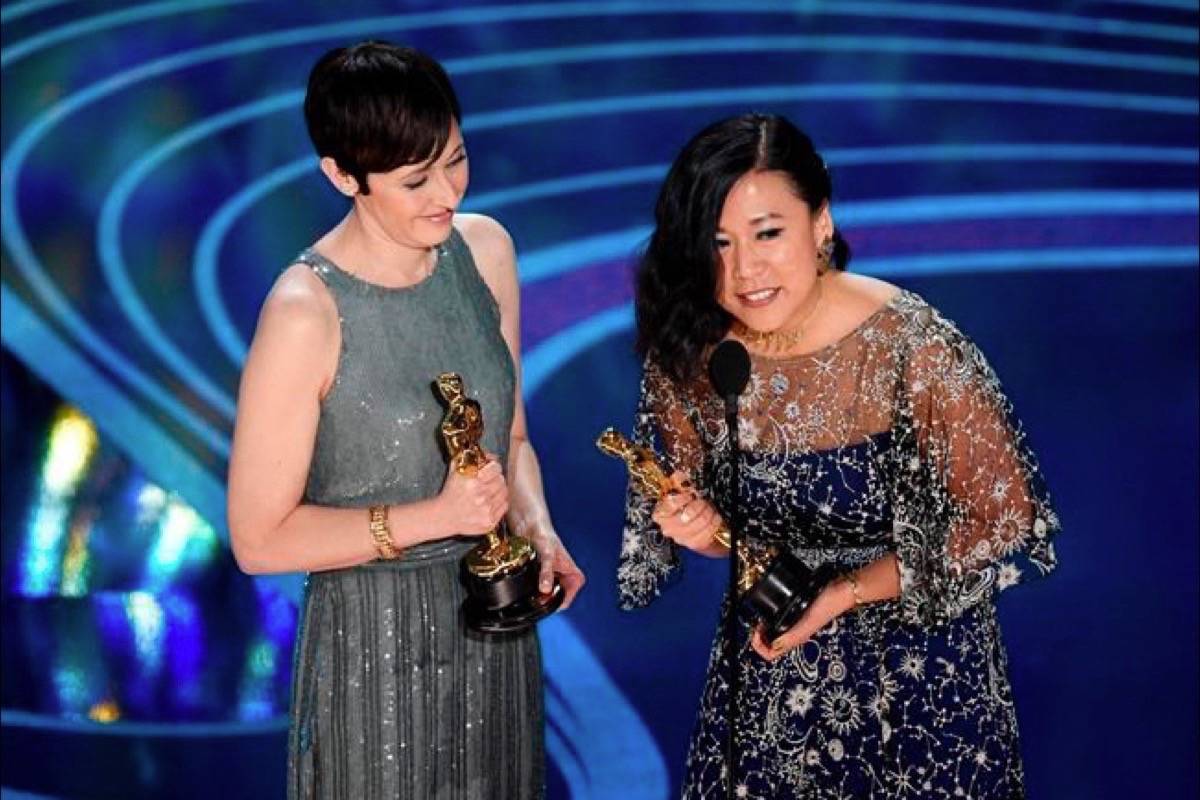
x=392, y=696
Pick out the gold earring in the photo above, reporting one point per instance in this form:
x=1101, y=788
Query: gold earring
x=825, y=256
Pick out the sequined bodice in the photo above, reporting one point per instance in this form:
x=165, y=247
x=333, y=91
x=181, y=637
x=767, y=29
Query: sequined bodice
x=378, y=437
x=895, y=437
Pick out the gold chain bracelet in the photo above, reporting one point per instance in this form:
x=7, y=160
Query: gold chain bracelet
x=382, y=534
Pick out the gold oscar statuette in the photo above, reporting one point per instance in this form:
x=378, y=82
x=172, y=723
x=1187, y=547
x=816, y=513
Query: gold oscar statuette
x=502, y=571
x=652, y=481
x=775, y=587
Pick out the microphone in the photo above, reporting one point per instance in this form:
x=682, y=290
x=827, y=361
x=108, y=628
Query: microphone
x=729, y=371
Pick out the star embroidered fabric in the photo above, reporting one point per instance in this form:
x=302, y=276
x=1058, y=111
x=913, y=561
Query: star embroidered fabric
x=897, y=438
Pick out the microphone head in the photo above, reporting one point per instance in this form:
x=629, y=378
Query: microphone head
x=729, y=369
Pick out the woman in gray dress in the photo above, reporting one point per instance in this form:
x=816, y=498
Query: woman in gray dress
x=336, y=468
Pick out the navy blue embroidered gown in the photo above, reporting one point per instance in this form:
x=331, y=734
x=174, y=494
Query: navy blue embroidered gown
x=897, y=438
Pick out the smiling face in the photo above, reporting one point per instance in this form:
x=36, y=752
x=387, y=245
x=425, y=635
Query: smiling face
x=766, y=241
x=413, y=205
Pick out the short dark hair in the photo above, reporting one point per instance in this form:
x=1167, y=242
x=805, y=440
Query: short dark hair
x=375, y=106
x=675, y=297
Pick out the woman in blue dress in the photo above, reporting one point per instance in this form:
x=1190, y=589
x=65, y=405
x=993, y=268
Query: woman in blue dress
x=874, y=440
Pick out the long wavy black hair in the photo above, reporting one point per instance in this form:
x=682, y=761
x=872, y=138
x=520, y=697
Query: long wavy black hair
x=676, y=288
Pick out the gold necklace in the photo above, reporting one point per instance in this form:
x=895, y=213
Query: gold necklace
x=777, y=341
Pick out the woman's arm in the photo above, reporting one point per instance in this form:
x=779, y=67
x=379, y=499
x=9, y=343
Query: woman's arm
x=528, y=516
x=291, y=363
x=689, y=520
x=875, y=582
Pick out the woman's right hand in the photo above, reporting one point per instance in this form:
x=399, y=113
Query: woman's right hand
x=685, y=517
x=474, y=504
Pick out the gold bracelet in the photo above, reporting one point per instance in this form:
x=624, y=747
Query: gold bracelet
x=382, y=534
x=855, y=588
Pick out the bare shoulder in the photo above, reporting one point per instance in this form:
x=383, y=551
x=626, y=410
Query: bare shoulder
x=299, y=307
x=866, y=291
x=487, y=238
x=494, y=253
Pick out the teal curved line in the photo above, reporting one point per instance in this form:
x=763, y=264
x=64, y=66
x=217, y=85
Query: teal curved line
x=560, y=752
x=973, y=93
x=26, y=262
x=212, y=236
x=13, y=718
x=1058, y=259
x=555, y=260
x=208, y=251
x=844, y=157
x=1183, y=5
x=580, y=721
x=973, y=48
x=112, y=262
x=17, y=10
x=115, y=270
x=101, y=22
x=543, y=361
x=558, y=259
x=74, y=323
x=127, y=426
x=921, y=11
x=230, y=341
x=1003, y=17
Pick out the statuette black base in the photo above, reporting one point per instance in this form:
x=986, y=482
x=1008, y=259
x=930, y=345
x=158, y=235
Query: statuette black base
x=508, y=603
x=781, y=596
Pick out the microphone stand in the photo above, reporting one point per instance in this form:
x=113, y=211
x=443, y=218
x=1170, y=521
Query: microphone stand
x=729, y=372
x=731, y=626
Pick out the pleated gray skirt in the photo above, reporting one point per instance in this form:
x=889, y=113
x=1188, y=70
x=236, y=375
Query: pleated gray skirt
x=393, y=697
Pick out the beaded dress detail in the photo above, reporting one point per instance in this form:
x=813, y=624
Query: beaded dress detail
x=897, y=438
x=393, y=697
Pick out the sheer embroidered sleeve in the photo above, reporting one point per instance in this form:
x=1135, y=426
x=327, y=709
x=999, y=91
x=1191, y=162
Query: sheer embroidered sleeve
x=983, y=519
x=648, y=560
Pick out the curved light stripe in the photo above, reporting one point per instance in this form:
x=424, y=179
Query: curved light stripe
x=846, y=157
x=936, y=12
x=14, y=235
x=1003, y=17
x=972, y=48
x=233, y=344
x=101, y=22
x=1184, y=5
x=951, y=92
x=187, y=730
x=208, y=251
x=627, y=766
x=1024, y=204
x=74, y=323
x=17, y=10
x=1084, y=258
x=540, y=363
x=557, y=259
x=112, y=261
x=164, y=460
x=561, y=753
x=114, y=205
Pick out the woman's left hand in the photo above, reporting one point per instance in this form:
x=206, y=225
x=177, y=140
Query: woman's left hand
x=556, y=561
x=833, y=601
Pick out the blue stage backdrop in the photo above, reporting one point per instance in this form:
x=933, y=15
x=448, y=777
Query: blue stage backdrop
x=1029, y=167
